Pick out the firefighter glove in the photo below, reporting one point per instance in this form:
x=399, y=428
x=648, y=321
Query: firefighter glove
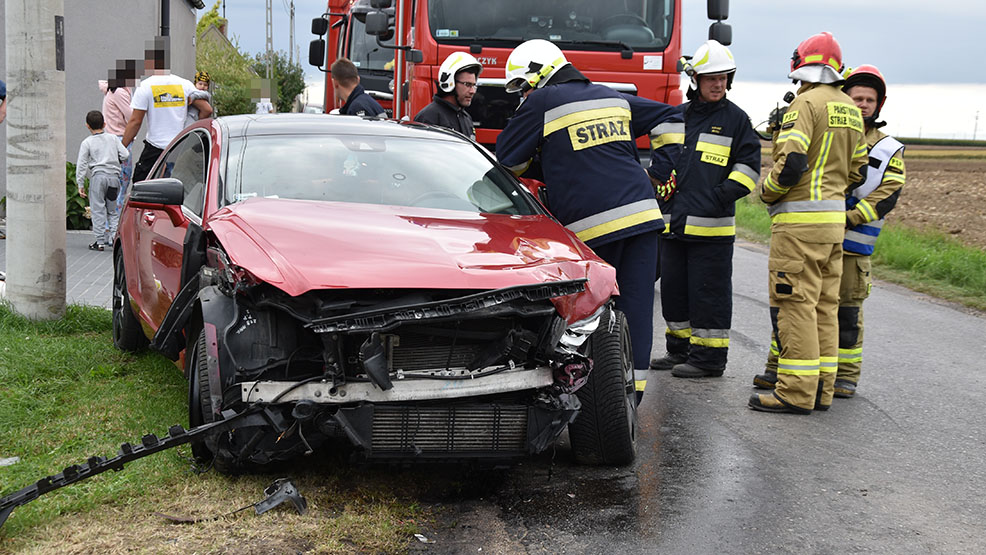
x=666, y=189
x=776, y=118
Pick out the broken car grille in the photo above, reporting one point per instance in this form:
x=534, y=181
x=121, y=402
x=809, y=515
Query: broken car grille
x=458, y=429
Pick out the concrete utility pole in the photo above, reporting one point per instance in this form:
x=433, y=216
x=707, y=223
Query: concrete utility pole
x=291, y=49
x=36, y=157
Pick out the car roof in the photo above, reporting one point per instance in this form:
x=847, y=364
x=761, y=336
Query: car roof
x=247, y=125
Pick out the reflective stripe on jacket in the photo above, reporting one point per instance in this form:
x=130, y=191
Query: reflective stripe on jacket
x=874, y=198
x=719, y=164
x=818, y=150
x=585, y=137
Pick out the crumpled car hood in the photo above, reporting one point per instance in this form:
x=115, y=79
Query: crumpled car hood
x=298, y=246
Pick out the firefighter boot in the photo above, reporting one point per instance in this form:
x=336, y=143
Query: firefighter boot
x=668, y=361
x=687, y=370
x=844, y=389
x=767, y=380
x=769, y=402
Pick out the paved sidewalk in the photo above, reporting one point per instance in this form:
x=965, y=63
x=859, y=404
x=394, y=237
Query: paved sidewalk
x=90, y=273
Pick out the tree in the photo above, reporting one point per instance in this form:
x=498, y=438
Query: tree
x=210, y=17
x=288, y=78
x=230, y=71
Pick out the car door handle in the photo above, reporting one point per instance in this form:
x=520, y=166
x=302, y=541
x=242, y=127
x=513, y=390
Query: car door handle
x=149, y=217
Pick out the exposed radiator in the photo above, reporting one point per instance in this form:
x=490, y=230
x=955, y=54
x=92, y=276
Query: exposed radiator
x=418, y=353
x=460, y=429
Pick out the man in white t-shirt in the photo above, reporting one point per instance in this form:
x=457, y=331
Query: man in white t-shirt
x=161, y=99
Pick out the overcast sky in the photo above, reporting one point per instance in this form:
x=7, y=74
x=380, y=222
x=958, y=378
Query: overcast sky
x=913, y=42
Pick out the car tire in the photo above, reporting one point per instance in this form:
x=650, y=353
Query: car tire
x=128, y=335
x=605, y=431
x=200, y=411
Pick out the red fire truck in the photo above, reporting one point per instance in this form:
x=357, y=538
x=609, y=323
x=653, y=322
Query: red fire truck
x=631, y=45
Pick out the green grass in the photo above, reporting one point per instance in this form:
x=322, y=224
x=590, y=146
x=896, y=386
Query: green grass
x=67, y=394
x=925, y=261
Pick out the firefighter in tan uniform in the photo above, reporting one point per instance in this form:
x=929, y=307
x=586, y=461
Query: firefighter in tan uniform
x=818, y=150
x=866, y=205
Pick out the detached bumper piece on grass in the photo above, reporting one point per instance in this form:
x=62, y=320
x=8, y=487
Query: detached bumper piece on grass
x=278, y=492
x=149, y=444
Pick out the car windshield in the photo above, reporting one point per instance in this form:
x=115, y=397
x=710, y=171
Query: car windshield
x=641, y=24
x=367, y=169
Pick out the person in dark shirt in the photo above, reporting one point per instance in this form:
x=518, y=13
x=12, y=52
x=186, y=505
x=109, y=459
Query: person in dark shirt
x=457, y=82
x=345, y=83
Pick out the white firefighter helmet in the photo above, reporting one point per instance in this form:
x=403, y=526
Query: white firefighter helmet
x=711, y=58
x=532, y=63
x=456, y=62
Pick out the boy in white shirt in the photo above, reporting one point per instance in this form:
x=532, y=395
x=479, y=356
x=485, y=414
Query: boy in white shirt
x=100, y=156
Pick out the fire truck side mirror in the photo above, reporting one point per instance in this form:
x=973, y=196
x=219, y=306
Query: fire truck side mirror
x=721, y=32
x=415, y=56
x=320, y=26
x=380, y=4
x=316, y=53
x=718, y=9
x=377, y=23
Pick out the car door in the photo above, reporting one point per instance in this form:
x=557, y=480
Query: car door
x=160, y=234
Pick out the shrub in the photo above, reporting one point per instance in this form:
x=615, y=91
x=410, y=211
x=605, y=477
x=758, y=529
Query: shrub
x=75, y=205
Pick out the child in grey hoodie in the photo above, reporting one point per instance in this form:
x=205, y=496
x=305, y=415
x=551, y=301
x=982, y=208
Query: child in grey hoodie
x=100, y=155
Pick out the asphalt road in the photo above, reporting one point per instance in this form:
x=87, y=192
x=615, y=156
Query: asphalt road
x=897, y=469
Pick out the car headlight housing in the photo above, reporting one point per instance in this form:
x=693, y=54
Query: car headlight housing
x=575, y=334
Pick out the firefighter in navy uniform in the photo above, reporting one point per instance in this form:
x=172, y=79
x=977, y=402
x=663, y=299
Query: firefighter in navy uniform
x=458, y=81
x=866, y=205
x=720, y=163
x=818, y=151
x=585, y=136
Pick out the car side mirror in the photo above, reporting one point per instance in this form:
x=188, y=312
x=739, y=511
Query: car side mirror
x=320, y=26
x=166, y=191
x=377, y=23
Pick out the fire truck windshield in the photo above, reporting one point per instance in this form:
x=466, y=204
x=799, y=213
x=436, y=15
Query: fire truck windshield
x=644, y=25
x=364, y=51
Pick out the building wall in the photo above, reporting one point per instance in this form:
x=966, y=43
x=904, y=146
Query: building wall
x=97, y=33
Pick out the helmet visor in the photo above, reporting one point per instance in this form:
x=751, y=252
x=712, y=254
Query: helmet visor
x=515, y=85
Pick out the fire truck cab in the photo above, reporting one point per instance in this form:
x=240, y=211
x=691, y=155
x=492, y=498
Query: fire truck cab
x=632, y=46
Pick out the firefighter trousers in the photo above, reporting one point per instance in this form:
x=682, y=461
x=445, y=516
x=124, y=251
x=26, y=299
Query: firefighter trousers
x=697, y=300
x=635, y=260
x=853, y=290
x=804, y=300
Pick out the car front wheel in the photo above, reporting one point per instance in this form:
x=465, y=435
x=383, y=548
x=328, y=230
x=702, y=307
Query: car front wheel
x=605, y=431
x=200, y=411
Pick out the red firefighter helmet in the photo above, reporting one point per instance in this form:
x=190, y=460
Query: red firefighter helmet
x=818, y=49
x=868, y=76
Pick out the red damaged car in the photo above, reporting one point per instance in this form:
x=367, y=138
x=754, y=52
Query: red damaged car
x=385, y=283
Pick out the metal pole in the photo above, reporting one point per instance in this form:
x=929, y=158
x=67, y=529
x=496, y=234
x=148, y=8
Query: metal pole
x=399, y=63
x=975, y=126
x=165, y=18
x=35, y=51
